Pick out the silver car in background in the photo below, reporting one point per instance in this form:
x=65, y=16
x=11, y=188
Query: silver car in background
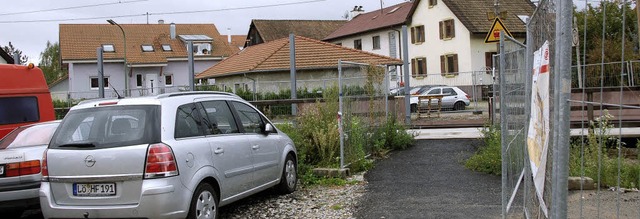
x=452, y=98
x=20, y=159
x=179, y=155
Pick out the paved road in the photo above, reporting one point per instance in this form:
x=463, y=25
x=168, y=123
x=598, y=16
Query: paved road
x=429, y=180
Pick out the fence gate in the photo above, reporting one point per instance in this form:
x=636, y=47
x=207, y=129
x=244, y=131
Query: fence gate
x=511, y=111
x=534, y=92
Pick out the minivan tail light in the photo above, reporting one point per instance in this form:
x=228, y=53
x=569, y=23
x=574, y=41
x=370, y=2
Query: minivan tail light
x=45, y=168
x=160, y=162
x=468, y=97
x=22, y=168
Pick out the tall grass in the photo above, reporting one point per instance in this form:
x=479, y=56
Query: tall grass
x=488, y=158
x=590, y=157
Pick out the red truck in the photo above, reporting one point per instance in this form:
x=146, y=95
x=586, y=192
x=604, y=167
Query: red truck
x=24, y=97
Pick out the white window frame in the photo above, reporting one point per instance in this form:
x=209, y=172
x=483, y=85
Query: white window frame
x=166, y=47
x=376, y=42
x=165, y=80
x=106, y=46
x=141, y=80
x=147, y=48
x=106, y=85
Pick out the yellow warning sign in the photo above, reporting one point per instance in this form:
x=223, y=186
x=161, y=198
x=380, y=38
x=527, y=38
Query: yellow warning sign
x=494, y=33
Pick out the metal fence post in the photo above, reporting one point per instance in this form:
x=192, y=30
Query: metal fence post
x=340, y=128
x=386, y=92
x=99, y=54
x=405, y=71
x=503, y=128
x=528, y=177
x=292, y=66
x=562, y=94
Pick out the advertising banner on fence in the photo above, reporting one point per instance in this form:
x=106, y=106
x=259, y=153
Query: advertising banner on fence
x=538, y=136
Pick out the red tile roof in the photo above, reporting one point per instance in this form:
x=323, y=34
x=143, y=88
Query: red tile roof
x=237, y=41
x=387, y=17
x=79, y=41
x=274, y=56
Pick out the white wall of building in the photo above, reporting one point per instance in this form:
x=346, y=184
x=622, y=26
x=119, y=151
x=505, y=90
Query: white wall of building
x=388, y=38
x=434, y=47
x=80, y=75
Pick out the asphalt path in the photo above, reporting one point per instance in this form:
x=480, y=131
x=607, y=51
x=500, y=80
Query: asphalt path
x=429, y=180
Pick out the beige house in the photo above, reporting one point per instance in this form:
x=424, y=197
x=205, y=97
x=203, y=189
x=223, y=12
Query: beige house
x=268, y=65
x=447, y=38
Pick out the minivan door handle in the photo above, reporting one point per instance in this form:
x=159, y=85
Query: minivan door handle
x=255, y=147
x=218, y=151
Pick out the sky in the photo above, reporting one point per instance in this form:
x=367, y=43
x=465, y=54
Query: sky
x=32, y=37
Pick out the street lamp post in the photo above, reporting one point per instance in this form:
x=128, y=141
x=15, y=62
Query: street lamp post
x=124, y=38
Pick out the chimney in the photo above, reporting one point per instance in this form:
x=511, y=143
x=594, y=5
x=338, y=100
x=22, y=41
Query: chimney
x=357, y=10
x=160, y=21
x=229, y=35
x=172, y=30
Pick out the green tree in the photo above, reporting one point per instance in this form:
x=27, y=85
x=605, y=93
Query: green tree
x=613, y=31
x=50, y=62
x=10, y=49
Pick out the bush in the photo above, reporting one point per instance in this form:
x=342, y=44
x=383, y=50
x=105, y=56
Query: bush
x=317, y=138
x=587, y=156
x=488, y=158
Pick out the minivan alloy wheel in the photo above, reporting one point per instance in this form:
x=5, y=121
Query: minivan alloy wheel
x=205, y=207
x=290, y=173
x=204, y=204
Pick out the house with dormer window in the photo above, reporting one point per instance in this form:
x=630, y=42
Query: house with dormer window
x=154, y=61
x=447, y=39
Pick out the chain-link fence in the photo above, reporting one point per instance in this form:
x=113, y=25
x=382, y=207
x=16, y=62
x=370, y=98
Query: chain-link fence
x=604, y=151
x=511, y=103
x=531, y=125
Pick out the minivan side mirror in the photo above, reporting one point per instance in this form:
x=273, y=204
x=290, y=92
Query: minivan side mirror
x=268, y=128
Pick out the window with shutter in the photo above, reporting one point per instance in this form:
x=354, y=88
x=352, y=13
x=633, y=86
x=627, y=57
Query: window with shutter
x=419, y=67
x=422, y=65
x=443, y=65
x=420, y=33
x=417, y=34
x=447, y=29
x=413, y=35
x=488, y=60
x=449, y=64
x=413, y=67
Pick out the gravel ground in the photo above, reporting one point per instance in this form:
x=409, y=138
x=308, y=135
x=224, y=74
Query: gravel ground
x=309, y=202
x=429, y=180
x=605, y=203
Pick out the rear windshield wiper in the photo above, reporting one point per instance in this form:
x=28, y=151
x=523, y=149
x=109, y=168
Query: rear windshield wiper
x=78, y=145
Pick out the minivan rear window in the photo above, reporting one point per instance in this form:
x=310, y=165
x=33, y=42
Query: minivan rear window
x=105, y=127
x=15, y=110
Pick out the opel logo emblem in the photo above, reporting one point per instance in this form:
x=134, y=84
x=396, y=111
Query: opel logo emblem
x=89, y=161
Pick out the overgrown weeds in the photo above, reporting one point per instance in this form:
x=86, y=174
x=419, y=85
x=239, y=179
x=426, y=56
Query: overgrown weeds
x=589, y=157
x=488, y=158
x=317, y=138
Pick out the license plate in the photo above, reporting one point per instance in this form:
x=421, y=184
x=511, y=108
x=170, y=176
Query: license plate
x=1, y=170
x=94, y=189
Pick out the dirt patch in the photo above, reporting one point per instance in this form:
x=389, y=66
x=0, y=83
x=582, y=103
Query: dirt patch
x=603, y=204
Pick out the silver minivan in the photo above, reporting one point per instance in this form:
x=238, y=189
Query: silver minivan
x=179, y=155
